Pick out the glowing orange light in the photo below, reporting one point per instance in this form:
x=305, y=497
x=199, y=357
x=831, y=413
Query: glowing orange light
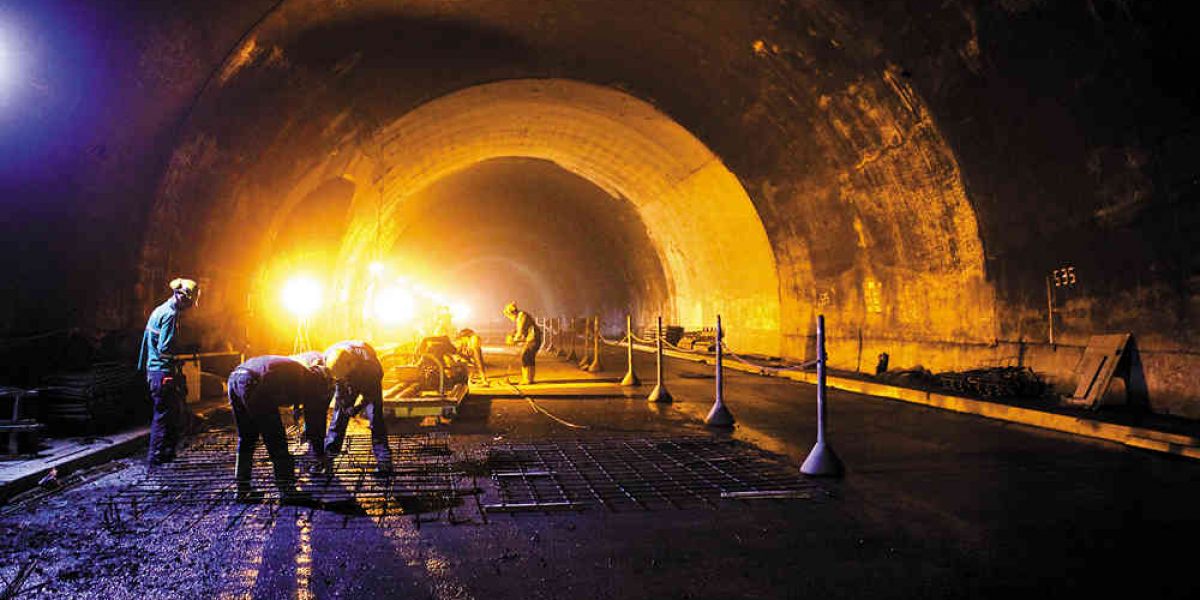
x=302, y=296
x=460, y=311
x=394, y=305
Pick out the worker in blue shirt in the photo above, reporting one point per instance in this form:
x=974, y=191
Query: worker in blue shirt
x=357, y=372
x=159, y=359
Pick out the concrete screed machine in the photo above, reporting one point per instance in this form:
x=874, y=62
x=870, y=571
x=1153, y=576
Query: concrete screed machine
x=428, y=378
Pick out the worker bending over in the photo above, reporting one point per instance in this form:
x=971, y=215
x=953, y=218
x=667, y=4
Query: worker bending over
x=529, y=336
x=159, y=359
x=357, y=372
x=257, y=389
x=469, y=346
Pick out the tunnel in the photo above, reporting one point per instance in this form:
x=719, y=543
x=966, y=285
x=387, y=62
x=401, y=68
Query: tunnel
x=361, y=298
x=914, y=173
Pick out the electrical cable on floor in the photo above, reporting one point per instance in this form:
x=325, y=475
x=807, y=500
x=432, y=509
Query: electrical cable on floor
x=538, y=408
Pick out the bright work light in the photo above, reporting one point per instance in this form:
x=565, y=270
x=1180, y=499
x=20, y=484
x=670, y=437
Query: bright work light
x=302, y=296
x=394, y=305
x=460, y=311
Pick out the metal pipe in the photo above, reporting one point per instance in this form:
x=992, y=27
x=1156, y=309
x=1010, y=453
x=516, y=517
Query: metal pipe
x=1050, y=308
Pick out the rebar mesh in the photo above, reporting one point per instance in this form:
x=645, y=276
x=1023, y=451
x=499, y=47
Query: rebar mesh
x=430, y=483
x=199, y=484
x=627, y=474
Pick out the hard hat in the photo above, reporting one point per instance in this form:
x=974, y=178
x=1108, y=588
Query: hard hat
x=186, y=288
x=187, y=292
x=339, y=362
x=511, y=308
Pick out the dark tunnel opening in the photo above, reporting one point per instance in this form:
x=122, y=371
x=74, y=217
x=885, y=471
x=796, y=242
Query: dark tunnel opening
x=576, y=249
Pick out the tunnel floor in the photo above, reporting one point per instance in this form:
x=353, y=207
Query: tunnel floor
x=615, y=497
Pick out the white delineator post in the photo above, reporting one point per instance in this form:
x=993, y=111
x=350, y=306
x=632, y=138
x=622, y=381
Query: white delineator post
x=631, y=378
x=822, y=461
x=659, y=393
x=719, y=416
x=596, y=365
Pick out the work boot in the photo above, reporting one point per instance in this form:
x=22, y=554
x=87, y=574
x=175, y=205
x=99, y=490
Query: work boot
x=321, y=466
x=290, y=496
x=247, y=495
x=527, y=375
x=160, y=458
x=383, y=468
x=383, y=458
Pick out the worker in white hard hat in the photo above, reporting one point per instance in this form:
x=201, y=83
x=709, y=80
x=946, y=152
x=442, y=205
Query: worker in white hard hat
x=529, y=336
x=160, y=360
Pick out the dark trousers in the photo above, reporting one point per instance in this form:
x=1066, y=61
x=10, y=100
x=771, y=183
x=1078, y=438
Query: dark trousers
x=343, y=408
x=529, y=351
x=168, y=392
x=254, y=420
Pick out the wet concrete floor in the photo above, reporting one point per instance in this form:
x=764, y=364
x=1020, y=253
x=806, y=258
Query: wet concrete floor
x=934, y=504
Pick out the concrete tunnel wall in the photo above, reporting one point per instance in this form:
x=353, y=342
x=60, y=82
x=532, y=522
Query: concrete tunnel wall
x=917, y=168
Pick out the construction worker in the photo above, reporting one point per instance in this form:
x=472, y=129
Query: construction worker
x=159, y=359
x=528, y=335
x=257, y=389
x=469, y=346
x=357, y=372
x=443, y=324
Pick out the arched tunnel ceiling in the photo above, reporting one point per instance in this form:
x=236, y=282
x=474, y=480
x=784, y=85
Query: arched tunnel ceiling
x=873, y=194
x=917, y=167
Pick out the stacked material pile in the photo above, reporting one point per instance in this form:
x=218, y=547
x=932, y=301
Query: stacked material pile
x=671, y=334
x=108, y=396
x=18, y=428
x=704, y=340
x=996, y=382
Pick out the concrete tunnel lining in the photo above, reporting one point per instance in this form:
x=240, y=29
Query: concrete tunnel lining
x=590, y=252
x=715, y=252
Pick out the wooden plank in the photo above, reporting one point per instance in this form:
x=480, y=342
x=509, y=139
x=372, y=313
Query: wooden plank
x=1104, y=353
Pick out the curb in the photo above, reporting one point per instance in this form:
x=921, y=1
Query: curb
x=75, y=462
x=137, y=437
x=1133, y=437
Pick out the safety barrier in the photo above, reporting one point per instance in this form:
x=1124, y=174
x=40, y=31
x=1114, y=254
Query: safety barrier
x=822, y=461
x=719, y=415
x=597, y=364
x=630, y=379
x=659, y=393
